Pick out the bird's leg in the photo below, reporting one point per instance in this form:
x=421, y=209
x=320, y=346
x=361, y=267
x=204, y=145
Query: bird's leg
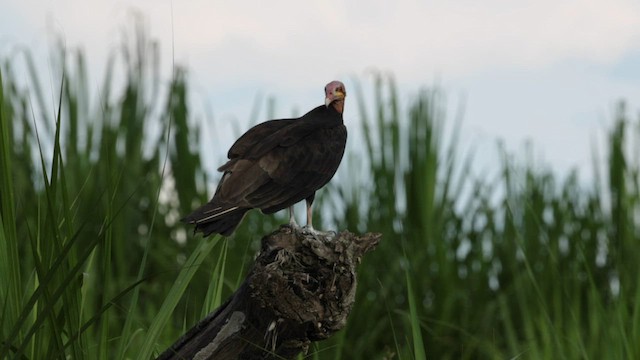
x=292, y=218
x=309, y=227
x=310, y=216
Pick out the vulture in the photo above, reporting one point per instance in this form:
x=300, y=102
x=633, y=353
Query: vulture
x=276, y=164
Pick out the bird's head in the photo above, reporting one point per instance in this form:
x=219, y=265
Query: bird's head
x=335, y=93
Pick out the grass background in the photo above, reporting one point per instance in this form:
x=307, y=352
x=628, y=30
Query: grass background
x=94, y=263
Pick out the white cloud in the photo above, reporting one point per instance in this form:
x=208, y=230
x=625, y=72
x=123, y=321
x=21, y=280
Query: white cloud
x=291, y=48
x=410, y=37
x=291, y=41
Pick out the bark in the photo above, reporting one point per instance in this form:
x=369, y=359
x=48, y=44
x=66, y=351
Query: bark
x=301, y=289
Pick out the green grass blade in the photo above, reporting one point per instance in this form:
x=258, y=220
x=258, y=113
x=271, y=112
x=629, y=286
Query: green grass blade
x=10, y=279
x=175, y=293
x=414, y=320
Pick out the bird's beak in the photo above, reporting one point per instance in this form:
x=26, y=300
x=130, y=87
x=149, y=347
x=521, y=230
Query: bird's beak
x=337, y=95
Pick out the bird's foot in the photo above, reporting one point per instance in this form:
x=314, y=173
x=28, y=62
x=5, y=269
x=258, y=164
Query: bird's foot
x=293, y=226
x=309, y=230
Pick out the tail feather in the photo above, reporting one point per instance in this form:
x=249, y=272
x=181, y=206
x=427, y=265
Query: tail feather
x=215, y=219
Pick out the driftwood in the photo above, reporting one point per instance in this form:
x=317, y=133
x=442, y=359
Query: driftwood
x=300, y=289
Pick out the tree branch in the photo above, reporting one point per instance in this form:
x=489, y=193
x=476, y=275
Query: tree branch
x=300, y=289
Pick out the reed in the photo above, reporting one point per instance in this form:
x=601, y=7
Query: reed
x=517, y=263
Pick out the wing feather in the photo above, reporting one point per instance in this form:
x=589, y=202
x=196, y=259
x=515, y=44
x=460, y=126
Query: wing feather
x=296, y=172
x=255, y=136
x=275, y=165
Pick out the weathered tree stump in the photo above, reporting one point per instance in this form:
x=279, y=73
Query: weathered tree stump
x=300, y=289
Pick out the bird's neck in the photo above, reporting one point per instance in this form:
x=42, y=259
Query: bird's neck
x=338, y=105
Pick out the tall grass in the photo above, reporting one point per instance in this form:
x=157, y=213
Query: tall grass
x=517, y=263
x=93, y=252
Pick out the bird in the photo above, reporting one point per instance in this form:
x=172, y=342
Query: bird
x=277, y=164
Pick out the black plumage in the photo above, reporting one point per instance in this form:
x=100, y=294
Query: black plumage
x=277, y=164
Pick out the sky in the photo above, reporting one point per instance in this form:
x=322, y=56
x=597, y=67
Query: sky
x=549, y=72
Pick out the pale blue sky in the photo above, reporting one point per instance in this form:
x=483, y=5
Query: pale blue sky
x=549, y=71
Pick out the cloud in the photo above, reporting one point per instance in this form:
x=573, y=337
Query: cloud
x=289, y=49
x=290, y=41
x=409, y=37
